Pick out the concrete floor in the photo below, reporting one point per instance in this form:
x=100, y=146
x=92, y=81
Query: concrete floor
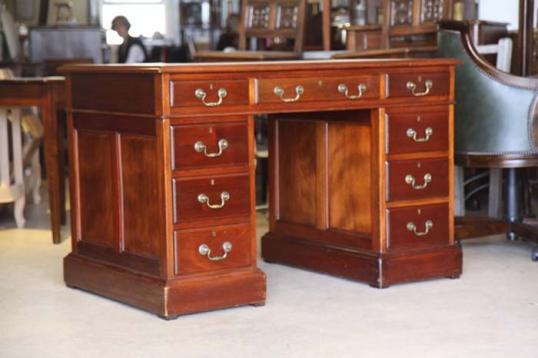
x=491, y=311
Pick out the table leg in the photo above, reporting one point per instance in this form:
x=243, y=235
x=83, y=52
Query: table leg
x=52, y=144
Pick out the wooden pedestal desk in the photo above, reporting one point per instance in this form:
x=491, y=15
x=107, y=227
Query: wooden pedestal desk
x=163, y=177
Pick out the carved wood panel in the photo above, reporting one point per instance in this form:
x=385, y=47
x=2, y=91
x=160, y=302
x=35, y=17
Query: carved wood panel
x=287, y=16
x=431, y=10
x=258, y=16
x=401, y=12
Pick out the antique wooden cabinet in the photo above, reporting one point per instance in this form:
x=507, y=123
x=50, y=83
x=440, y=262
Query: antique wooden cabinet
x=162, y=177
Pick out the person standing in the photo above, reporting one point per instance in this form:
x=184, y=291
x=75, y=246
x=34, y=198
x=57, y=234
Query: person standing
x=132, y=49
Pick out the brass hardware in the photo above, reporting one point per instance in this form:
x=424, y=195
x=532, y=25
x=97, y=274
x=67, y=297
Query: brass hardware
x=413, y=228
x=342, y=88
x=200, y=147
x=204, y=199
x=204, y=250
x=202, y=95
x=411, y=133
x=279, y=91
x=409, y=179
x=412, y=86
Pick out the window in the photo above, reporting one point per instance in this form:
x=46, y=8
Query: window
x=147, y=17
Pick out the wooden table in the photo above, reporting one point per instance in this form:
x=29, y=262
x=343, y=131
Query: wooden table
x=162, y=177
x=47, y=93
x=243, y=56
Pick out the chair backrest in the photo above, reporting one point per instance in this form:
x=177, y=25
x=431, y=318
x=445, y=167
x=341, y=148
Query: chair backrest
x=503, y=50
x=413, y=21
x=496, y=112
x=275, y=22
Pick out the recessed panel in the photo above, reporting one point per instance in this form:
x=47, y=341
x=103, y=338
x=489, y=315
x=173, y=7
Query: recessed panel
x=349, y=163
x=96, y=173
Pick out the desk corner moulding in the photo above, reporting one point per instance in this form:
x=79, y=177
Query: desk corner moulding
x=162, y=177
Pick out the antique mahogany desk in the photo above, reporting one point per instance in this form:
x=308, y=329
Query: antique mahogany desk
x=163, y=177
x=47, y=93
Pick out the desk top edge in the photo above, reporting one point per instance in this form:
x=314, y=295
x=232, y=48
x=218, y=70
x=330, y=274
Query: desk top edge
x=265, y=66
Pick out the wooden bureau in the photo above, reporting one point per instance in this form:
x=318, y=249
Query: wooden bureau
x=162, y=182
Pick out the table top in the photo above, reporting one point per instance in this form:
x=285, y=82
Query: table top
x=31, y=80
x=265, y=66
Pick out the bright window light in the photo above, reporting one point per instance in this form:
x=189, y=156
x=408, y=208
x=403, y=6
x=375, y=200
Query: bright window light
x=146, y=17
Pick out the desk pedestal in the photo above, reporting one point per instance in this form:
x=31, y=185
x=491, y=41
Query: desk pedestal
x=343, y=204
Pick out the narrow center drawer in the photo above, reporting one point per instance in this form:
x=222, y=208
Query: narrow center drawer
x=417, y=132
x=298, y=90
x=417, y=179
x=209, y=145
x=418, y=227
x=206, y=250
x=211, y=198
x=209, y=93
x=418, y=84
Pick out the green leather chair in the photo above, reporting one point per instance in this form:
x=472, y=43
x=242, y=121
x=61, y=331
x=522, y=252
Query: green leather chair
x=496, y=123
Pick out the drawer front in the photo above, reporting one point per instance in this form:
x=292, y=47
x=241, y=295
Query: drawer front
x=289, y=91
x=417, y=132
x=209, y=145
x=418, y=227
x=209, y=94
x=419, y=84
x=210, y=250
x=417, y=179
x=211, y=198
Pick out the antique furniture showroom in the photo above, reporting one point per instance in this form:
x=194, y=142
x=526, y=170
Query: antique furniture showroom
x=287, y=178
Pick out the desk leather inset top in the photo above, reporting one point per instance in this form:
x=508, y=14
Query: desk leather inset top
x=162, y=182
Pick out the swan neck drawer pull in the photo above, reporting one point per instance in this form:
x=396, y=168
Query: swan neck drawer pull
x=279, y=91
x=200, y=147
x=202, y=95
x=413, y=228
x=412, y=86
x=409, y=179
x=342, y=88
x=204, y=199
x=204, y=250
x=411, y=133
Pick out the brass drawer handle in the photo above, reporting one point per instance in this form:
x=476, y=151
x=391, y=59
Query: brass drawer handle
x=204, y=199
x=411, y=133
x=409, y=179
x=413, y=228
x=342, y=88
x=202, y=95
x=200, y=147
x=279, y=91
x=412, y=86
x=204, y=250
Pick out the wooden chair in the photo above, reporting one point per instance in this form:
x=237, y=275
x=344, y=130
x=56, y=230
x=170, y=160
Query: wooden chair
x=274, y=27
x=11, y=171
x=407, y=23
x=496, y=121
x=26, y=136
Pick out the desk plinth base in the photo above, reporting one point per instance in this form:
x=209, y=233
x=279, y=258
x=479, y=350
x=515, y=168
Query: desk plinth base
x=166, y=299
x=379, y=270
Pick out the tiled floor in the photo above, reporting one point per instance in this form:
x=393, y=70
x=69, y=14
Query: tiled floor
x=491, y=311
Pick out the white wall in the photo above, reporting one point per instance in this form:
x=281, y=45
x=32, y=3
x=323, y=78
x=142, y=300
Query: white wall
x=502, y=10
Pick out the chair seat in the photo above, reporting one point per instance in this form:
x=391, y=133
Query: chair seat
x=490, y=160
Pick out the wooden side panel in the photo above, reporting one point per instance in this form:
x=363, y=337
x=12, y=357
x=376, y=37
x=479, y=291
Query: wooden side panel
x=349, y=176
x=297, y=171
x=140, y=196
x=96, y=170
x=109, y=92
